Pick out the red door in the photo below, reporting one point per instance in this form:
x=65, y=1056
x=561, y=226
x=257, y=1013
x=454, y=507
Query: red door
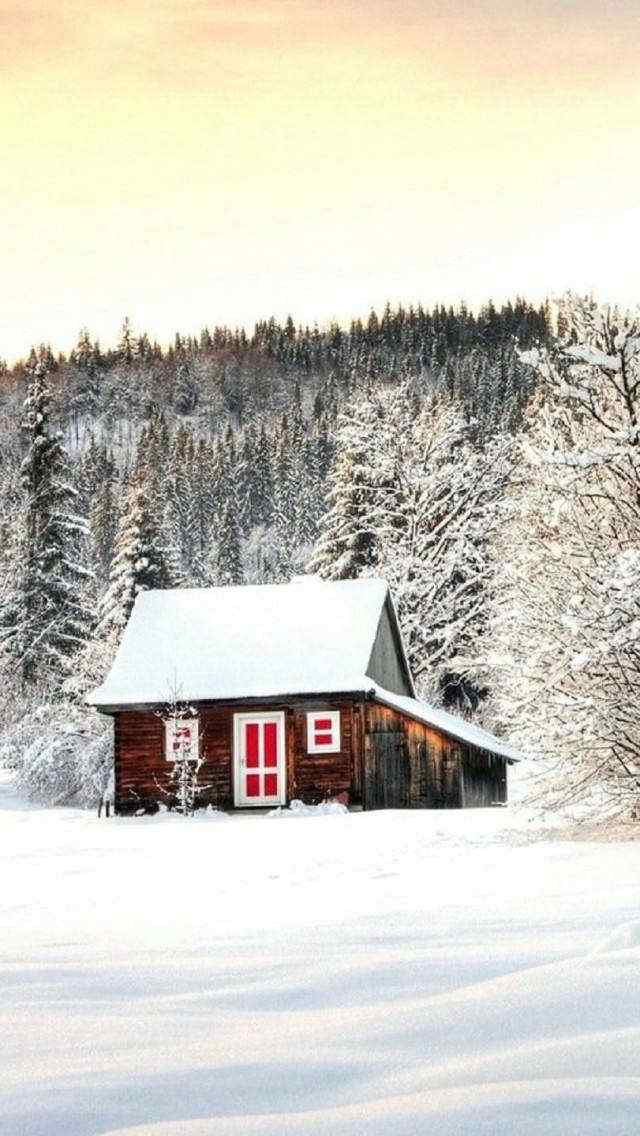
x=259, y=759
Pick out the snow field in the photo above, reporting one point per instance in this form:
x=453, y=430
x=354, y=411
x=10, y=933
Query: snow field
x=394, y=973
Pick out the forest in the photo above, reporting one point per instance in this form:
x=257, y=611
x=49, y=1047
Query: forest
x=485, y=464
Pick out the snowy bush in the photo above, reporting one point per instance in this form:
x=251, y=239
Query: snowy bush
x=61, y=753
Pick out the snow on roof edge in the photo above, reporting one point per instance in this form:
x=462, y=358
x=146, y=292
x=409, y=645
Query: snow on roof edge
x=356, y=688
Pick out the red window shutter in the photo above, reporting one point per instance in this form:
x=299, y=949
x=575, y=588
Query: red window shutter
x=322, y=724
x=271, y=784
x=323, y=739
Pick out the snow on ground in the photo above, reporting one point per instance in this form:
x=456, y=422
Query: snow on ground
x=394, y=973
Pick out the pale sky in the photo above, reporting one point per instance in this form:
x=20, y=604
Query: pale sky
x=186, y=162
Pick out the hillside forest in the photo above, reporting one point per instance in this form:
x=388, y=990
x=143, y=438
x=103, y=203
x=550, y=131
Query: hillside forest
x=486, y=464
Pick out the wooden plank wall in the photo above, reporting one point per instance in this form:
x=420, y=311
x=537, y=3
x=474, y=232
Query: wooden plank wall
x=387, y=760
x=430, y=777
x=484, y=778
x=314, y=777
x=410, y=765
x=142, y=773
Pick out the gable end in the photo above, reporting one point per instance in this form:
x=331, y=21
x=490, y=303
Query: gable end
x=388, y=664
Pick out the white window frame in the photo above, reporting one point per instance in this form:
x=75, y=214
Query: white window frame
x=173, y=724
x=312, y=717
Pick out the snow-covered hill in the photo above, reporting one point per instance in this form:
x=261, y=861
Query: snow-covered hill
x=394, y=973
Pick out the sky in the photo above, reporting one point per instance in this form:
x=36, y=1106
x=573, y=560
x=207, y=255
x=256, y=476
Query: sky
x=191, y=162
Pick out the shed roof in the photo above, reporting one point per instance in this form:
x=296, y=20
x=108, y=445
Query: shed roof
x=446, y=723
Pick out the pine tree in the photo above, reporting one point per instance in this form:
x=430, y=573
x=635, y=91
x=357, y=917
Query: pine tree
x=204, y=509
x=126, y=346
x=346, y=546
x=180, y=508
x=140, y=562
x=226, y=567
x=185, y=399
x=48, y=619
x=262, y=481
x=103, y=527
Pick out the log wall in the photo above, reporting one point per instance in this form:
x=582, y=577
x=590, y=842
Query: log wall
x=142, y=773
x=386, y=760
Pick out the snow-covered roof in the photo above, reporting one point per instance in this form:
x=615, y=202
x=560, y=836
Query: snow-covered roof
x=307, y=637
x=310, y=636
x=447, y=723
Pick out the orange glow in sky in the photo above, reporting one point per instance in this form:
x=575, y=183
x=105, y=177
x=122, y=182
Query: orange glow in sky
x=186, y=162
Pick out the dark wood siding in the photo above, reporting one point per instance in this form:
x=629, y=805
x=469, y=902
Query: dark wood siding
x=411, y=765
x=142, y=773
x=316, y=777
x=484, y=778
x=386, y=759
x=423, y=769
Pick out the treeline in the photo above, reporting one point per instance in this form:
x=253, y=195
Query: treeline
x=214, y=462
x=225, y=377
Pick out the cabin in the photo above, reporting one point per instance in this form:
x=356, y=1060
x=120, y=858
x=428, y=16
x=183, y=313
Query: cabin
x=294, y=691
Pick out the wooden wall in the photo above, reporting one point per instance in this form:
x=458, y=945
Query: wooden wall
x=142, y=773
x=387, y=760
x=407, y=764
x=484, y=778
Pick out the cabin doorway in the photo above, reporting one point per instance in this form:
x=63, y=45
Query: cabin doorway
x=387, y=771
x=259, y=760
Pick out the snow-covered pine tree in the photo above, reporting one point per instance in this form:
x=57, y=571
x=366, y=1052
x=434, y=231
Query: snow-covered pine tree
x=140, y=562
x=180, y=502
x=226, y=562
x=48, y=618
x=185, y=399
x=435, y=513
x=103, y=527
x=311, y=487
x=243, y=479
x=414, y=501
x=286, y=503
x=126, y=345
x=203, y=509
x=346, y=546
x=262, y=481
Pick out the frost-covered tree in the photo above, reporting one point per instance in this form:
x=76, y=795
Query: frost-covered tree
x=180, y=518
x=419, y=510
x=226, y=565
x=184, y=789
x=103, y=527
x=346, y=545
x=140, y=562
x=48, y=617
x=262, y=502
x=565, y=659
x=436, y=513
